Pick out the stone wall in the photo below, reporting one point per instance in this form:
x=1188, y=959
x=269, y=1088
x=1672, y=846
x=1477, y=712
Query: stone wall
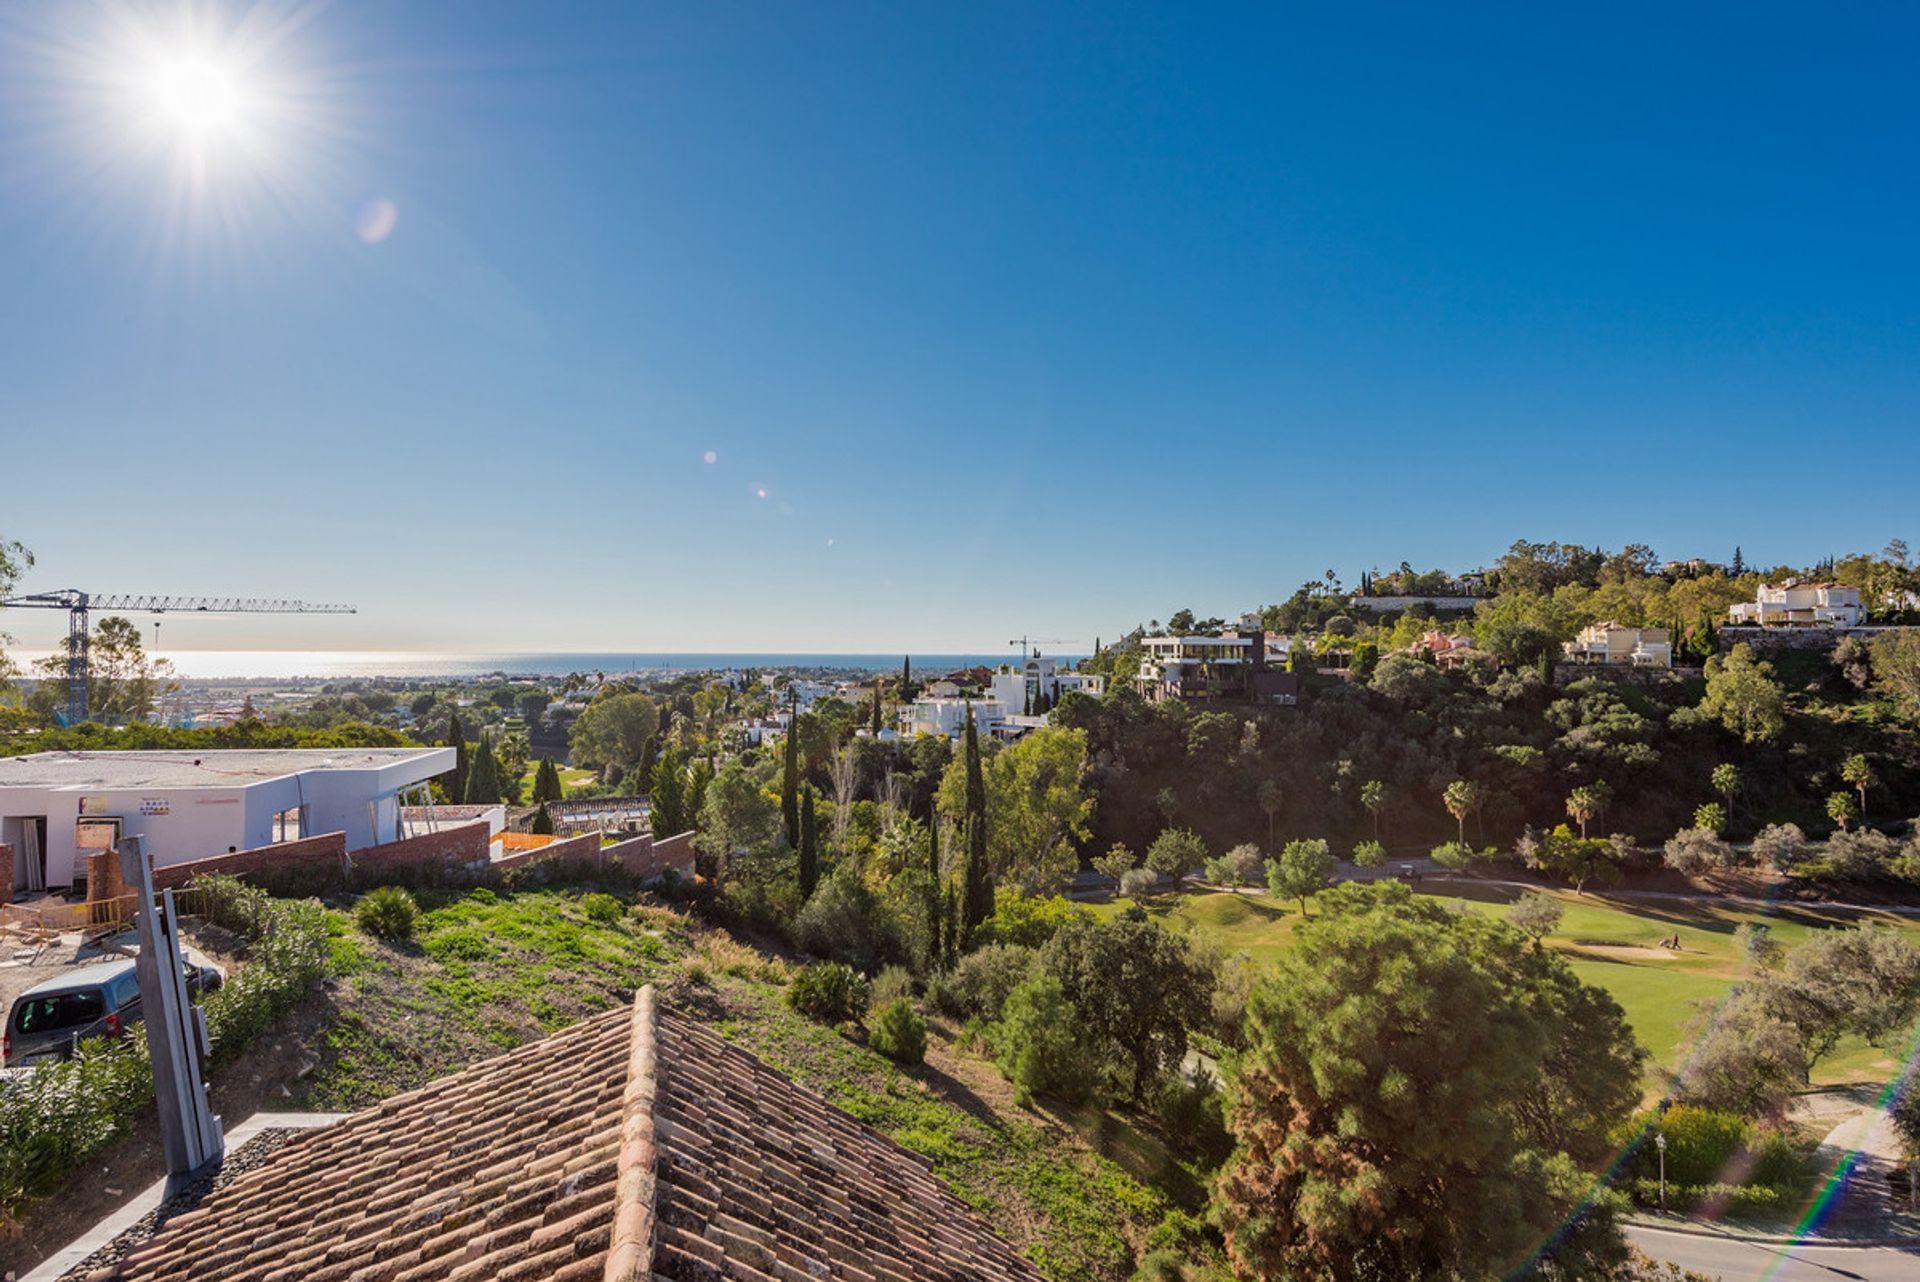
x=1781, y=638
x=585, y=847
x=450, y=854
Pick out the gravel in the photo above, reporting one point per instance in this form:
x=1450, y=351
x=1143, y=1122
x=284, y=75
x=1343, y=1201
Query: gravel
x=248, y=1156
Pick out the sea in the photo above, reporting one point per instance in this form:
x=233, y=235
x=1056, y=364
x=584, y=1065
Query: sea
x=294, y=665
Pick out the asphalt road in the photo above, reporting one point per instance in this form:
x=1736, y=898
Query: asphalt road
x=1734, y=1260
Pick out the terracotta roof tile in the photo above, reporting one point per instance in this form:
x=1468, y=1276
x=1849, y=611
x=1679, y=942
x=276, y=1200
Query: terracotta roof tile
x=638, y=1146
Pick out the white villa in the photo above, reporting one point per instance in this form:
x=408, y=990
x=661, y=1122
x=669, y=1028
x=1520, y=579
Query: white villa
x=1818, y=605
x=1614, y=643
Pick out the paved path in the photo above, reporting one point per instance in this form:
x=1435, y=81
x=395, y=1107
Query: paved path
x=1732, y=1259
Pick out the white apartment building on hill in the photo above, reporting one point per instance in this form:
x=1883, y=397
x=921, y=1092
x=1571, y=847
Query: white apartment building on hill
x=1817, y=605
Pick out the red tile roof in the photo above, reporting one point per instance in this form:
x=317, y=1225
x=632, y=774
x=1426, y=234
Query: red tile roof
x=637, y=1145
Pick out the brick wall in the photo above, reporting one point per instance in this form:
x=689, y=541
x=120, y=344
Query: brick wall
x=645, y=858
x=584, y=847
x=6, y=873
x=451, y=853
x=103, y=876
x=321, y=858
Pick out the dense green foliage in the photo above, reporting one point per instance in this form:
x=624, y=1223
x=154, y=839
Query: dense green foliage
x=831, y=992
x=387, y=912
x=899, y=1033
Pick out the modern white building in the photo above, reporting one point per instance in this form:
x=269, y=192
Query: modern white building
x=1037, y=684
x=1198, y=667
x=1616, y=644
x=58, y=807
x=1820, y=605
x=948, y=717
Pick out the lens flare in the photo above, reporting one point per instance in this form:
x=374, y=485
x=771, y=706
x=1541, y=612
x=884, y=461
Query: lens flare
x=376, y=220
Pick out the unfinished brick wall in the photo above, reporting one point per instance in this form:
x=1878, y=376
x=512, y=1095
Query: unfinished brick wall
x=6, y=873
x=103, y=876
x=321, y=858
x=584, y=847
x=646, y=858
x=450, y=854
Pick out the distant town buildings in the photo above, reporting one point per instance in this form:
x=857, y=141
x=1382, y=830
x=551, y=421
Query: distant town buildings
x=1791, y=604
x=1616, y=644
x=1448, y=651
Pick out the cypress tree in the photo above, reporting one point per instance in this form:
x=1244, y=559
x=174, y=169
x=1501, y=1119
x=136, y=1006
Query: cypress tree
x=790, y=777
x=667, y=796
x=978, y=903
x=696, y=796
x=935, y=899
x=457, y=735
x=809, y=849
x=542, y=821
x=483, y=774
x=546, y=781
x=876, y=708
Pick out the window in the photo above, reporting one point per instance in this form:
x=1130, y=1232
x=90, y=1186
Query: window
x=57, y=1011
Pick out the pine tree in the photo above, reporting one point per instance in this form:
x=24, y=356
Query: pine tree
x=696, y=797
x=790, y=776
x=542, y=821
x=483, y=775
x=809, y=849
x=1739, y=566
x=978, y=903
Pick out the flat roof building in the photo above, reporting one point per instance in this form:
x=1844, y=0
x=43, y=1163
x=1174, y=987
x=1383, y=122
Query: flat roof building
x=58, y=807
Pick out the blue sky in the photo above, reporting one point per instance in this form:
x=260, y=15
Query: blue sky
x=1033, y=318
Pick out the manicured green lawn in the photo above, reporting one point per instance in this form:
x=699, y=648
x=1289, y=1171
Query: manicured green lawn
x=1612, y=943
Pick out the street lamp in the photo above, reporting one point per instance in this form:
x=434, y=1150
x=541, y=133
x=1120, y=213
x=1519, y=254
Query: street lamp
x=1660, y=1142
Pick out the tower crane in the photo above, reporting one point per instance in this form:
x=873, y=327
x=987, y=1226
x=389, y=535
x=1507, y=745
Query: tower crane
x=77, y=604
x=1026, y=644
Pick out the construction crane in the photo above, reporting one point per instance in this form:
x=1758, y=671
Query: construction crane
x=1026, y=644
x=77, y=604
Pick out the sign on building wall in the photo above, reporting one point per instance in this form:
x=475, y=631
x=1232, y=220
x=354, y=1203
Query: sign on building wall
x=155, y=806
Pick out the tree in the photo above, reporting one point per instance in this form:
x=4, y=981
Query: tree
x=483, y=774
x=1858, y=771
x=546, y=782
x=1780, y=845
x=124, y=684
x=542, y=821
x=1117, y=862
x=613, y=732
x=976, y=903
x=1036, y=794
x=1574, y=860
x=1373, y=795
x=1133, y=984
x=1585, y=803
x=1742, y=697
x=809, y=849
x=532, y=705
x=1462, y=798
x=790, y=773
x=1896, y=668
x=1726, y=782
x=1271, y=796
x=1039, y=1044
x=1694, y=851
x=1420, y=1094
x=739, y=821
x=1842, y=809
x=1175, y=853
x=1302, y=868
x=1537, y=915
x=1864, y=981
x=1369, y=854
x=666, y=795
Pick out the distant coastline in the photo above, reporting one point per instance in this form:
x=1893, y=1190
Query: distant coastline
x=294, y=665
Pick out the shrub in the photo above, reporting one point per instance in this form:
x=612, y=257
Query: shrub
x=1712, y=816
x=1454, y=856
x=1861, y=854
x=1246, y=864
x=387, y=912
x=1698, y=850
x=1701, y=1143
x=844, y=920
x=1138, y=882
x=601, y=907
x=1369, y=854
x=892, y=984
x=899, y=1033
x=1038, y=1042
x=1029, y=920
x=1780, y=846
x=1220, y=871
x=830, y=992
x=1194, y=1118
x=985, y=977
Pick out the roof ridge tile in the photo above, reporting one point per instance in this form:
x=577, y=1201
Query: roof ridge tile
x=630, y=1258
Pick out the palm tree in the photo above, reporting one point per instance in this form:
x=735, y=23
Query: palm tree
x=1726, y=782
x=1462, y=798
x=1373, y=795
x=1858, y=771
x=1583, y=807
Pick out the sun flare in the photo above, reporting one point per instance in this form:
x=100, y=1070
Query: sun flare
x=195, y=95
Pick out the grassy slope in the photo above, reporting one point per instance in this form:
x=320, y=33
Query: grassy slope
x=1610, y=943
x=1078, y=1193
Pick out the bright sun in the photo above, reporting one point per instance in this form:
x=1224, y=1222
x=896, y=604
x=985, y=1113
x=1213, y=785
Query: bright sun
x=196, y=95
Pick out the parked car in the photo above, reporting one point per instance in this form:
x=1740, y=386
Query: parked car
x=102, y=1000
